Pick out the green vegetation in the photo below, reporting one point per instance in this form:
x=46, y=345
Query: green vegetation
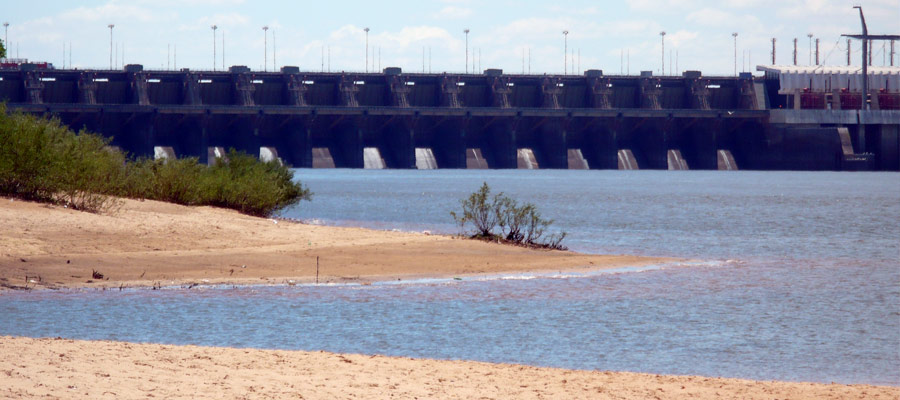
x=517, y=224
x=2, y=49
x=42, y=160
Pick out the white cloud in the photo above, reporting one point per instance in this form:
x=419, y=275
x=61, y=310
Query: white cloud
x=112, y=12
x=661, y=5
x=173, y=3
x=453, y=12
x=718, y=18
x=225, y=22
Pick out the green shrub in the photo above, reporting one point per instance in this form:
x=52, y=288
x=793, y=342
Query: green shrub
x=518, y=224
x=42, y=160
x=253, y=187
x=481, y=211
x=90, y=172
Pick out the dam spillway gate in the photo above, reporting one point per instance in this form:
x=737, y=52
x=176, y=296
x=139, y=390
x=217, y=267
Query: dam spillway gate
x=489, y=120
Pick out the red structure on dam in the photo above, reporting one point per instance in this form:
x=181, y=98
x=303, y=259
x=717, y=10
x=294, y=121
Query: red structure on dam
x=783, y=120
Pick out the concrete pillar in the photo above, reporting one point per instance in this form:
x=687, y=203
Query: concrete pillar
x=402, y=145
x=243, y=134
x=299, y=144
x=450, y=143
x=602, y=148
x=139, y=93
x=703, y=144
x=142, y=136
x=87, y=88
x=552, y=140
x=502, y=139
x=203, y=137
x=34, y=88
x=350, y=141
x=653, y=143
x=889, y=153
x=861, y=138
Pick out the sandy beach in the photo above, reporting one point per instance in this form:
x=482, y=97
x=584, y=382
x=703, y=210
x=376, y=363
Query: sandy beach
x=71, y=369
x=146, y=243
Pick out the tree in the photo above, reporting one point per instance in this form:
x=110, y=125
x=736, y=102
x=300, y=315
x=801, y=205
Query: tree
x=2, y=49
x=519, y=224
x=481, y=211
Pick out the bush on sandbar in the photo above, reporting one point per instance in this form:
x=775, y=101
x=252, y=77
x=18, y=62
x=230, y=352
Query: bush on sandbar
x=43, y=160
x=518, y=224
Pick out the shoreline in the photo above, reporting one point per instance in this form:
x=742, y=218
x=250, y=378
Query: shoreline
x=100, y=369
x=378, y=281
x=150, y=244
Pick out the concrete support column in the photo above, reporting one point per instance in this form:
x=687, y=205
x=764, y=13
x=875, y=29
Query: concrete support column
x=674, y=140
x=502, y=140
x=142, y=137
x=861, y=139
x=402, y=145
x=457, y=146
x=889, y=153
x=244, y=134
x=552, y=140
x=203, y=137
x=654, y=144
x=450, y=143
x=350, y=141
x=705, y=143
x=602, y=146
x=299, y=143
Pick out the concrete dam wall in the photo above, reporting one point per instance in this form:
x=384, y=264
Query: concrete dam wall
x=489, y=120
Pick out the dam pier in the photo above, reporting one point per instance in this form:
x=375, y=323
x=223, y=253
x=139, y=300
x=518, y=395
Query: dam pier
x=789, y=119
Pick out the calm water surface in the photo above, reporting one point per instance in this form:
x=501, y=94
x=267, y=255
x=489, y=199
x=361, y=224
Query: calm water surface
x=799, y=280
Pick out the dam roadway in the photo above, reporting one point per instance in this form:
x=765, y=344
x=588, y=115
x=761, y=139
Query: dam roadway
x=489, y=120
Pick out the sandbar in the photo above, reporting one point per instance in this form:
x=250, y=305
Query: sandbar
x=150, y=243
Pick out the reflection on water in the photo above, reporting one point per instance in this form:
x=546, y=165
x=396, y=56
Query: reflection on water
x=724, y=319
x=813, y=292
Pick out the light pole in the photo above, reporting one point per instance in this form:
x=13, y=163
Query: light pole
x=466, y=31
x=565, y=52
x=662, y=35
x=6, y=37
x=366, y=29
x=810, y=35
x=214, y=27
x=265, y=48
x=734, y=34
x=111, y=26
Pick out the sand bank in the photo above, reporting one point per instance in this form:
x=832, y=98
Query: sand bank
x=59, y=368
x=145, y=243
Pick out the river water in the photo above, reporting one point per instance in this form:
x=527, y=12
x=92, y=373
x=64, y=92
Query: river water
x=797, y=278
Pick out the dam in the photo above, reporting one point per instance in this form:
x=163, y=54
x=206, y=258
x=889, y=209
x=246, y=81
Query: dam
x=788, y=119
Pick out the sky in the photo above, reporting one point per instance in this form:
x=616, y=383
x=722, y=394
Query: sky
x=616, y=37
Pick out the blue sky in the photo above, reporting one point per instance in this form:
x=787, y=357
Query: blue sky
x=700, y=31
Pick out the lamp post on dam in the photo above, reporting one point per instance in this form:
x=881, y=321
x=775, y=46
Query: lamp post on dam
x=488, y=119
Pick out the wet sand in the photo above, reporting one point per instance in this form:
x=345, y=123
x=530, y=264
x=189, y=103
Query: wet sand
x=59, y=368
x=147, y=243
x=150, y=243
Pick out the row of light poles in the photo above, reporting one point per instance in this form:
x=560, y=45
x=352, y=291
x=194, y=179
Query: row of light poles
x=466, y=31
x=214, y=28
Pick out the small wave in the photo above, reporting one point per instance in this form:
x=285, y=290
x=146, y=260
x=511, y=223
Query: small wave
x=436, y=281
